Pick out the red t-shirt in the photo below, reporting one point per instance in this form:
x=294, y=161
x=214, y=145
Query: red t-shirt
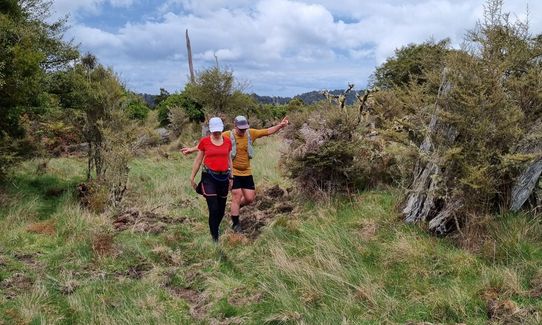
x=215, y=157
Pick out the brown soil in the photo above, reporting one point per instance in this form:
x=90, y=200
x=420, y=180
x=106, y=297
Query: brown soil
x=136, y=272
x=44, y=228
x=144, y=222
x=16, y=284
x=504, y=311
x=536, y=285
x=28, y=259
x=102, y=244
x=195, y=300
x=367, y=230
x=268, y=205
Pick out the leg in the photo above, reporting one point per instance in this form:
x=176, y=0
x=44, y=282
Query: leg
x=242, y=194
x=222, y=198
x=248, y=197
x=221, y=208
x=236, y=197
x=214, y=215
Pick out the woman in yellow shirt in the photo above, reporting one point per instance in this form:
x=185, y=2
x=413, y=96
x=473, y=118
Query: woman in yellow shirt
x=243, y=190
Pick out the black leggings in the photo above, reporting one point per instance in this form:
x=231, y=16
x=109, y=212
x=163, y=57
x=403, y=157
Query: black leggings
x=215, y=191
x=217, y=206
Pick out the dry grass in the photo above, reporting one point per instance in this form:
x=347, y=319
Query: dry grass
x=45, y=228
x=345, y=261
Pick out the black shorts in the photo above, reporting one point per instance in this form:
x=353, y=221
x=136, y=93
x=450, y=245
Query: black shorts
x=209, y=186
x=243, y=182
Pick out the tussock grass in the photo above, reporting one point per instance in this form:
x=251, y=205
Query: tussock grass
x=344, y=261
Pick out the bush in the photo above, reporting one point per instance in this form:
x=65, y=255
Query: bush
x=178, y=119
x=193, y=110
x=137, y=111
x=330, y=153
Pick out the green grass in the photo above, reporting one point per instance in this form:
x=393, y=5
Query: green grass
x=347, y=261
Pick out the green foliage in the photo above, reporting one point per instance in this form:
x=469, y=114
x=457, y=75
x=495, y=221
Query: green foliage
x=193, y=110
x=320, y=264
x=295, y=104
x=410, y=63
x=178, y=120
x=474, y=107
x=329, y=153
x=136, y=107
x=218, y=93
x=30, y=50
x=164, y=94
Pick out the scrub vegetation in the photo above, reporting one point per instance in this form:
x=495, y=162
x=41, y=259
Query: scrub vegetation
x=99, y=223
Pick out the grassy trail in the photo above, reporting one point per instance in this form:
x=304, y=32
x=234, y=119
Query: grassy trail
x=342, y=262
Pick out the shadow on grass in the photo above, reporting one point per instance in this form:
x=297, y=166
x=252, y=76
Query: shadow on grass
x=48, y=190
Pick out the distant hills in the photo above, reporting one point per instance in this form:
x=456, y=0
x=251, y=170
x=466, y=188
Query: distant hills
x=308, y=98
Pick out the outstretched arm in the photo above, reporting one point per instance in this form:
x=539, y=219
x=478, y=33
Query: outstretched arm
x=188, y=150
x=195, y=168
x=277, y=127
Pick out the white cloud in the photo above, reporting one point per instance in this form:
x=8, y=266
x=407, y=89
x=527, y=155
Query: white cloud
x=280, y=46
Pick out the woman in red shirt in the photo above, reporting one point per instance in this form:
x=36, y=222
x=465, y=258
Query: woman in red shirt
x=216, y=177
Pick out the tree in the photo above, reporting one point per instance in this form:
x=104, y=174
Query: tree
x=100, y=105
x=410, y=63
x=30, y=50
x=164, y=94
x=193, y=110
x=487, y=104
x=218, y=93
x=136, y=107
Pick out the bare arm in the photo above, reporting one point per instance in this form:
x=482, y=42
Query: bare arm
x=195, y=168
x=230, y=166
x=274, y=129
x=188, y=150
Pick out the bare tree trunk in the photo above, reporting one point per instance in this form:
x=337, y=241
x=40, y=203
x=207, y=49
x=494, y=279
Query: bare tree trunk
x=528, y=179
x=426, y=202
x=190, y=65
x=525, y=184
x=341, y=99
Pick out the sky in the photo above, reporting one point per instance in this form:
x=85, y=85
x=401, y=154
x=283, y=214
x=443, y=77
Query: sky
x=273, y=47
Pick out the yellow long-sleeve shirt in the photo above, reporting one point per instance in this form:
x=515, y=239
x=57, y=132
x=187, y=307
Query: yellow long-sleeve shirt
x=241, y=163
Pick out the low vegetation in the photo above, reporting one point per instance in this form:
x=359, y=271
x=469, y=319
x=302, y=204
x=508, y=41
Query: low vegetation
x=99, y=225
x=348, y=260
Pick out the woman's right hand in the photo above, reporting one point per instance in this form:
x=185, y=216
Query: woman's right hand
x=193, y=183
x=186, y=150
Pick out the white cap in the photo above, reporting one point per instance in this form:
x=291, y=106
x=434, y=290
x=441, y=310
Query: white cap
x=216, y=125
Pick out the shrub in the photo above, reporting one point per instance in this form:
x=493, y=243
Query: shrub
x=137, y=110
x=193, y=110
x=178, y=119
x=330, y=153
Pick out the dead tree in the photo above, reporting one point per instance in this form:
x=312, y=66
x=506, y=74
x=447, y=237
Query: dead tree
x=190, y=65
x=340, y=99
x=528, y=179
x=426, y=201
x=363, y=101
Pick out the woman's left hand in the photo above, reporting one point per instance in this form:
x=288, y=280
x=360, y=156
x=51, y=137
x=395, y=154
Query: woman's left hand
x=230, y=185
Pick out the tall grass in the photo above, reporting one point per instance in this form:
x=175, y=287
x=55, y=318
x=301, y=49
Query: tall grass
x=346, y=261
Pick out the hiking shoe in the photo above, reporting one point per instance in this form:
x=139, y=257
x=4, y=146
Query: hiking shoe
x=237, y=228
